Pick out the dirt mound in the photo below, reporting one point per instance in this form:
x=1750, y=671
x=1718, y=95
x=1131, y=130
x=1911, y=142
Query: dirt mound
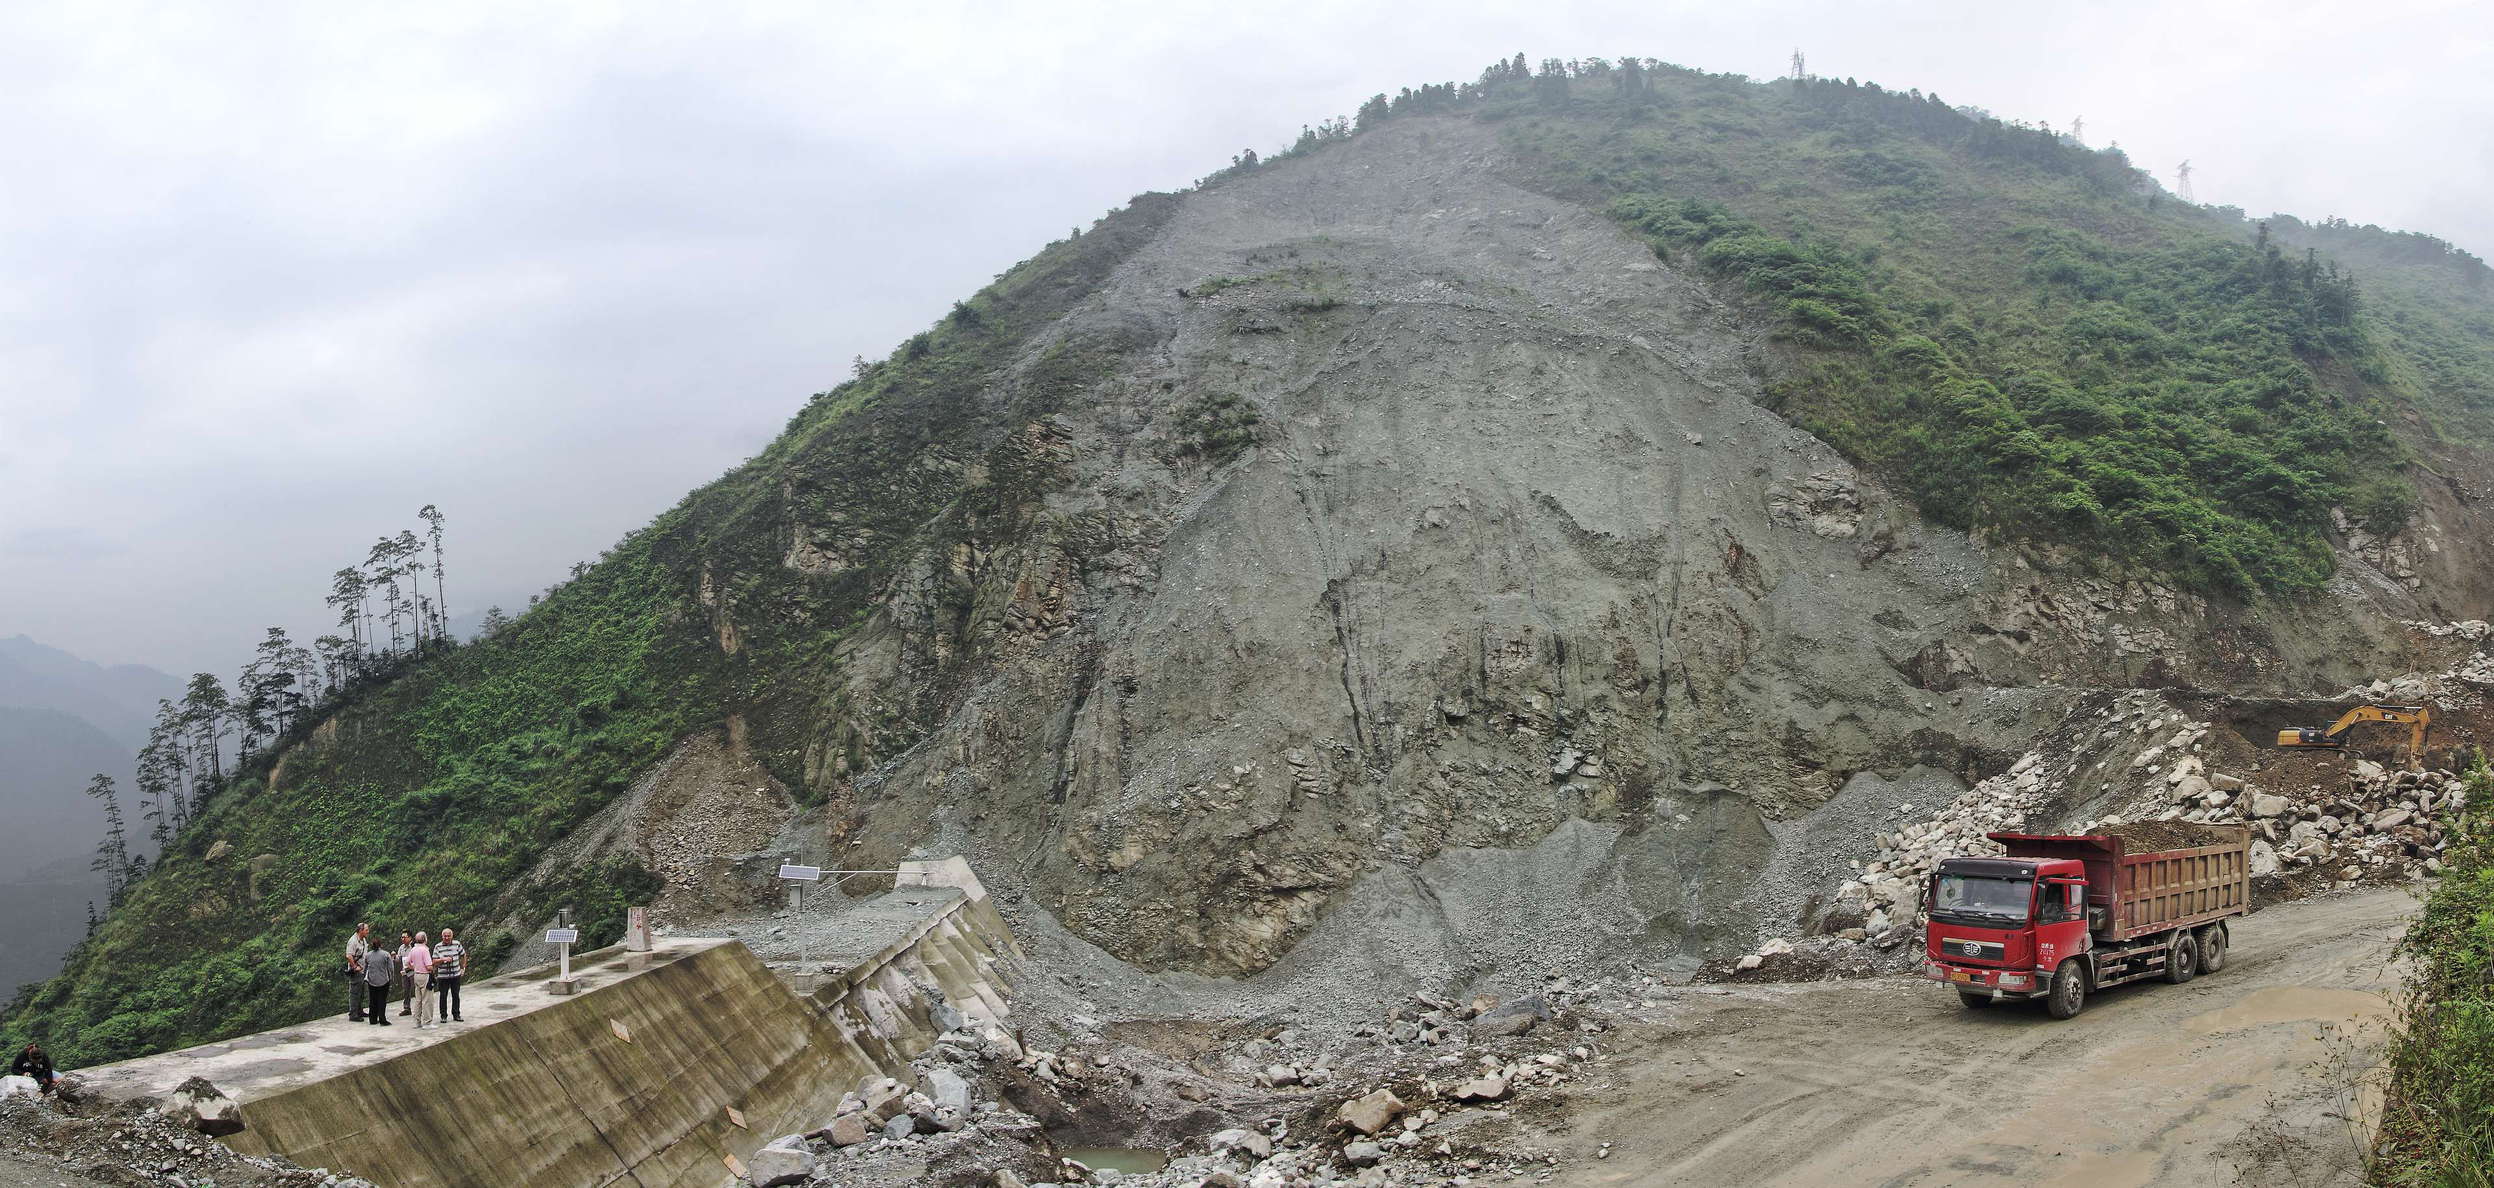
x=2139, y=837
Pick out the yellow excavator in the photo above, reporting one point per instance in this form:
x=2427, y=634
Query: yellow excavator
x=2417, y=719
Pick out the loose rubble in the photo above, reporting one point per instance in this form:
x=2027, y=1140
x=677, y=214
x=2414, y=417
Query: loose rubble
x=144, y=1142
x=1421, y=1097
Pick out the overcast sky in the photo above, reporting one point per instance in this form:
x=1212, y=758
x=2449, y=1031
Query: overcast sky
x=273, y=277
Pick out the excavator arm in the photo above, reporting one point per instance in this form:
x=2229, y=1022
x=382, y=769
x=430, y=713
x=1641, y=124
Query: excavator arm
x=2417, y=719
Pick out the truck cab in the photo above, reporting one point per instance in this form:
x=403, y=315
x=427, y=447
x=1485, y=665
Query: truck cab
x=2000, y=926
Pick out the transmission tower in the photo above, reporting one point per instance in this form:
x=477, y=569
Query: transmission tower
x=1800, y=68
x=2182, y=177
x=2078, y=129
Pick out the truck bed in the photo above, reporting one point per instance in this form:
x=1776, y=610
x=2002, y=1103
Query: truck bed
x=2206, y=877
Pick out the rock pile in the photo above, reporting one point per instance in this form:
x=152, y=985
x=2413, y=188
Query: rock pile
x=2382, y=826
x=1879, y=906
x=884, y=1114
x=138, y=1142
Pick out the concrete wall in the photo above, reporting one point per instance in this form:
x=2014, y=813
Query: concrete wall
x=560, y=1096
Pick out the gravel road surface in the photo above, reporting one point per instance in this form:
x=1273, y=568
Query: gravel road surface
x=2246, y=1076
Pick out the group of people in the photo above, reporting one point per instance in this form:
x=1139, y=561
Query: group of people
x=425, y=975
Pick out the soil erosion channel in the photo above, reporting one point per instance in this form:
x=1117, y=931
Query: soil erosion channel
x=2242, y=1076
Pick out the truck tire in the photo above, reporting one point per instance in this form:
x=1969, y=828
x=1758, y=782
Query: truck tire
x=1974, y=1001
x=2069, y=991
x=2182, y=959
x=2212, y=948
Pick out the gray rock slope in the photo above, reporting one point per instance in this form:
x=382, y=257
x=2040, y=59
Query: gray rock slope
x=1520, y=630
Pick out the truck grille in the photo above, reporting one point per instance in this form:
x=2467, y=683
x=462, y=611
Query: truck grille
x=1979, y=950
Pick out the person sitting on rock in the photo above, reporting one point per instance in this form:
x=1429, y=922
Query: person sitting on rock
x=36, y=1063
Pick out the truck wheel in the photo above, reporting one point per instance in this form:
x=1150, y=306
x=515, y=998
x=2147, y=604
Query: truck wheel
x=2212, y=948
x=2182, y=960
x=1974, y=1001
x=2069, y=991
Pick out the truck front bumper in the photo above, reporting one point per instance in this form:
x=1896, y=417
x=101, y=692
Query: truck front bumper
x=2003, y=983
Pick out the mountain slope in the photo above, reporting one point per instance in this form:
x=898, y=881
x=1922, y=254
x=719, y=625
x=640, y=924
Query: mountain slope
x=1439, y=498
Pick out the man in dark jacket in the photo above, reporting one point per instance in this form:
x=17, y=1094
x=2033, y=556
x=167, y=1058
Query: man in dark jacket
x=380, y=970
x=37, y=1063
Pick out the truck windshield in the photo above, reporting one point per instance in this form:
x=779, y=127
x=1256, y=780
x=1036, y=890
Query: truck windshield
x=1982, y=898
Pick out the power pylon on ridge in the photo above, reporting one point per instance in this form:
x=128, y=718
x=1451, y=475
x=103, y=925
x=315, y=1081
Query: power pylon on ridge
x=2182, y=178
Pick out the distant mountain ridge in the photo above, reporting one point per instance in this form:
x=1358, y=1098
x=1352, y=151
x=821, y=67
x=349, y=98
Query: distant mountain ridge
x=119, y=699
x=63, y=719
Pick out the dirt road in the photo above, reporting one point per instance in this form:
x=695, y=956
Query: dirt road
x=2241, y=1077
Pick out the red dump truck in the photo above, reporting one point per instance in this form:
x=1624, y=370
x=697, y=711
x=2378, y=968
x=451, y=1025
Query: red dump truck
x=2060, y=916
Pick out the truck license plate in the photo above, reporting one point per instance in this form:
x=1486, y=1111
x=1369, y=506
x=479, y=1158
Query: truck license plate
x=1959, y=975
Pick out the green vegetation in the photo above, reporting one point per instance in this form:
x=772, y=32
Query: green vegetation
x=1216, y=427
x=427, y=794
x=2019, y=332
x=2438, y=1120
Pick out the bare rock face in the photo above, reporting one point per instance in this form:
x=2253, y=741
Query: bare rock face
x=1403, y=554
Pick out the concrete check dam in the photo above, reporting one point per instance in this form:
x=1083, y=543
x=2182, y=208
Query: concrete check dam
x=665, y=1067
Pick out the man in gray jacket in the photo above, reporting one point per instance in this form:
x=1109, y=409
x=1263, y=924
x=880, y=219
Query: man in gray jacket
x=380, y=970
x=355, y=994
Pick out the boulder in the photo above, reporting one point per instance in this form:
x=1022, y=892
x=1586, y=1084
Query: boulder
x=885, y=1098
x=946, y=1089
x=2264, y=859
x=1004, y=1178
x=1514, y=1018
x=900, y=1127
x=1250, y=1143
x=1362, y=1154
x=786, y=1161
x=204, y=1108
x=1371, y=1113
x=848, y=1130
x=17, y=1086
x=1489, y=1088
x=2269, y=804
x=2393, y=819
x=219, y=849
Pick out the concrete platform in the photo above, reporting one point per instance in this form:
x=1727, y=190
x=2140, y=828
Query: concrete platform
x=664, y=1068
x=272, y=1062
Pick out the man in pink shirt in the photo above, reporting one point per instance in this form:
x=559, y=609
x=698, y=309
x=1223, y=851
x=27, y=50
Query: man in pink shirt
x=420, y=980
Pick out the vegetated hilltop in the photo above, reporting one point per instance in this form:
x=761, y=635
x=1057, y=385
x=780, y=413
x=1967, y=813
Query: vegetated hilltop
x=1469, y=529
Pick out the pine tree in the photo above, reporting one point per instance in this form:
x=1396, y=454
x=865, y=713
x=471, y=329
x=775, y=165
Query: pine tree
x=207, y=715
x=432, y=517
x=347, y=590
x=112, y=855
x=159, y=778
